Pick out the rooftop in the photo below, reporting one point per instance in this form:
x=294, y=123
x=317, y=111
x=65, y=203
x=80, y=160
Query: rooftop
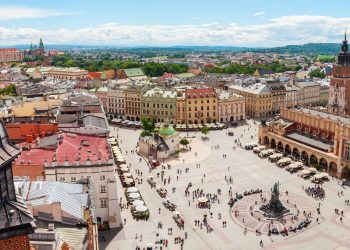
x=75, y=148
x=325, y=115
x=257, y=88
x=37, y=193
x=310, y=140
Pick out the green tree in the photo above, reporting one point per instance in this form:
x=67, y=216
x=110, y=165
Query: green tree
x=205, y=131
x=317, y=73
x=184, y=142
x=148, y=126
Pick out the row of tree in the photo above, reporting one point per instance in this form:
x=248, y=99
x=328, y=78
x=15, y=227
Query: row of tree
x=152, y=69
x=235, y=68
x=8, y=90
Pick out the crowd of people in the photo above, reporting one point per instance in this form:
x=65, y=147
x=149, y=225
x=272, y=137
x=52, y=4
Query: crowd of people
x=316, y=192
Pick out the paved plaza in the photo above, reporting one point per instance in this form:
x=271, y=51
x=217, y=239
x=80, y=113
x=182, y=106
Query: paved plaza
x=209, y=170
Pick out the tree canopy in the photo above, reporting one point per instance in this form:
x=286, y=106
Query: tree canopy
x=317, y=73
x=152, y=69
x=148, y=126
x=184, y=142
x=205, y=130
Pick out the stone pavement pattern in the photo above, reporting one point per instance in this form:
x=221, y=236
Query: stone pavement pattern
x=248, y=172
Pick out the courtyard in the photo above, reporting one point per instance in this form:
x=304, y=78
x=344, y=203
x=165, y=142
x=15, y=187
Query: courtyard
x=212, y=163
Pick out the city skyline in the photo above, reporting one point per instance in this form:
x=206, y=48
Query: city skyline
x=223, y=23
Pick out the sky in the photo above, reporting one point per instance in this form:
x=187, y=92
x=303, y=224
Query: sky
x=249, y=23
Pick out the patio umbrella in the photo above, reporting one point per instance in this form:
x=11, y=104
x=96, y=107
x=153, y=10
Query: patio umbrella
x=176, y=213
x=127, y=175
x=138, y=203
x=129, y=181
x=150, y=177
x=134, y=195
x=123, y=165
x=312, y=169
x=124, y=169
x=203, y=199
x=132, y=190
x=141, y=208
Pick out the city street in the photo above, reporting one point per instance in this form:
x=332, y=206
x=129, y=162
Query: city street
x=218, y=161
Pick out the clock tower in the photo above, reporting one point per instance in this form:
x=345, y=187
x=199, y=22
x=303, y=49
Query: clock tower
x=339, y=90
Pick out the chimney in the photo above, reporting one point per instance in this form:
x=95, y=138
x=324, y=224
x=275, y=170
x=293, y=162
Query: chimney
x=51, y=227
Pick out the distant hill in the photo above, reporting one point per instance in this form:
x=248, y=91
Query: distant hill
x=308, y=49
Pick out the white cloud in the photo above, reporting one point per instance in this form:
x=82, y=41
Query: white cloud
x=261, y=13
x=8, y=12
x=275, y=32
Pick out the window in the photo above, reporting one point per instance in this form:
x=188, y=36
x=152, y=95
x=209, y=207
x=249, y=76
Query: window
x=62, y=179
x=347, y=152
x=103, y=203
x=102, y=177
x=73, y=179
x=103, y=189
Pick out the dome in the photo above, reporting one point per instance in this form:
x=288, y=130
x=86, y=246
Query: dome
x=166, y=131
x=162, y=147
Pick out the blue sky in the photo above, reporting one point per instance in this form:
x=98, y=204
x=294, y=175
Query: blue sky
x=163, y=23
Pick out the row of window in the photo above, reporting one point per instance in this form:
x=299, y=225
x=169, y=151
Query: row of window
x=202, y=101
x=158, y=105
x=74, y=179
x=159, y=112
x=201, y=114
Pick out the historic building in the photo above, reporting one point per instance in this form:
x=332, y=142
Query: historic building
x=202, y=106
x=68, y=73
x=181, y=112
x=278, y=92
x=160, y=105
x=11, y=55
x=16, y=221
x=258, y=99
x=294, y=95
x=161, y=145
x=316, y=137
x=231, y=107
x=115, y=103
x=36, y=50
x=133, y=103
x=311, y=91
x=339, y=91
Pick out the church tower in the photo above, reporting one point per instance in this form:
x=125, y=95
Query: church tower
x=339, y=90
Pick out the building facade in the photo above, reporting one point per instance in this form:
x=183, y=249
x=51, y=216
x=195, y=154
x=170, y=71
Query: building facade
x=133, y=103
x=258, y=99
x=318, y=138
x=115, y=103
x=202, y=106
x=11, y=55
x=278, y=92
x=68, y=73
x=181, y=111
x=294, y=95
x=311, y=92
x=159, y=104
x=231, y=107
x=339, y=91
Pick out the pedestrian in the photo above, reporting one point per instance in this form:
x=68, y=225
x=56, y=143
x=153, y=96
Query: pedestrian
x=261, y=243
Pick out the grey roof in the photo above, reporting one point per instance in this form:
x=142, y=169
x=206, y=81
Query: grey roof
x=95, y=121
x=7, y=150
x=310, y=140
x=325, y=115
x=47, y=192
x=47, y=141
x=21, y=221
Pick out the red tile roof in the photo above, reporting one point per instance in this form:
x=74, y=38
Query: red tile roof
x=20, y=131
x=200, y=93
x=72, y=146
